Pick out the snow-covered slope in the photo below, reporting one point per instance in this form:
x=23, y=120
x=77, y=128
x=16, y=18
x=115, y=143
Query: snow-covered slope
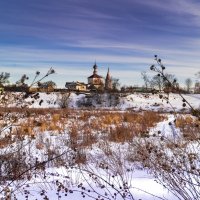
x=154, y=102
x=136, y=101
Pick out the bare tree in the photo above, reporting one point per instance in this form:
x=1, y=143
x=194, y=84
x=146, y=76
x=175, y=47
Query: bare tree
x=47, y=84
x=157, y=82
x=188, y=83
x=21, y=81
x=170, y=82
x=4, y=76
x=63, y=100
x=115, y=84
x=145, y=79
x=198, y=75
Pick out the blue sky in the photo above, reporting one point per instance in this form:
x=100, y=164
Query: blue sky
x=69, y=35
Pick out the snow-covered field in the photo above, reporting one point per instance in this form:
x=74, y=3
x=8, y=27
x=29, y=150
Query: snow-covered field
x=140, y=183
x=136, y=101
x=108, y=172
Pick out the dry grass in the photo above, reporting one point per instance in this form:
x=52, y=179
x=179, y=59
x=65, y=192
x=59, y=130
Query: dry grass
x=5, y=141
x=189, y=126
x=84, y=127
x=121, y=133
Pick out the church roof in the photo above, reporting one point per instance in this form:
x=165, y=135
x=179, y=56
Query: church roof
x=95, y=76
x=108, y=77
x=95, y=66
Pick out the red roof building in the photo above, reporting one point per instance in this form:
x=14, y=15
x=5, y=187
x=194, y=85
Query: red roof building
x=95, y=80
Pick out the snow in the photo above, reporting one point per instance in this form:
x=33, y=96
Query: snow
x=153, y=102
x=136, y=101
x=45, y=101
x=142, y=185
x=167, y=128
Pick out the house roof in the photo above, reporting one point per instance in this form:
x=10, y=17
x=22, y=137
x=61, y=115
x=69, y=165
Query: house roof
x=74, y=83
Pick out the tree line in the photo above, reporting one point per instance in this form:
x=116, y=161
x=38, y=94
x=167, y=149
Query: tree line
x=157, y=82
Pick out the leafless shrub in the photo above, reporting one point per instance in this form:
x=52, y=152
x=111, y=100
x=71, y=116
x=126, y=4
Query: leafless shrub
x=172, y=85
x=175, y=164
x=173, y=161
x=63, y=100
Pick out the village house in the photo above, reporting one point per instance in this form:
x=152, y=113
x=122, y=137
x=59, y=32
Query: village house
x=76, y=86
x=48, y=86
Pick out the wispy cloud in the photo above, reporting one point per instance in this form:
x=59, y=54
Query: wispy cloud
x=17, y=55
x=78, y=65
x=124, y=35
x=185, y=12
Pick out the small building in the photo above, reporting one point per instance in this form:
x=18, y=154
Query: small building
x=95, y=80
x=76, y=86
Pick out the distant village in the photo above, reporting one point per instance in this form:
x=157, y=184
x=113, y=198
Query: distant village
x=95, y=83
